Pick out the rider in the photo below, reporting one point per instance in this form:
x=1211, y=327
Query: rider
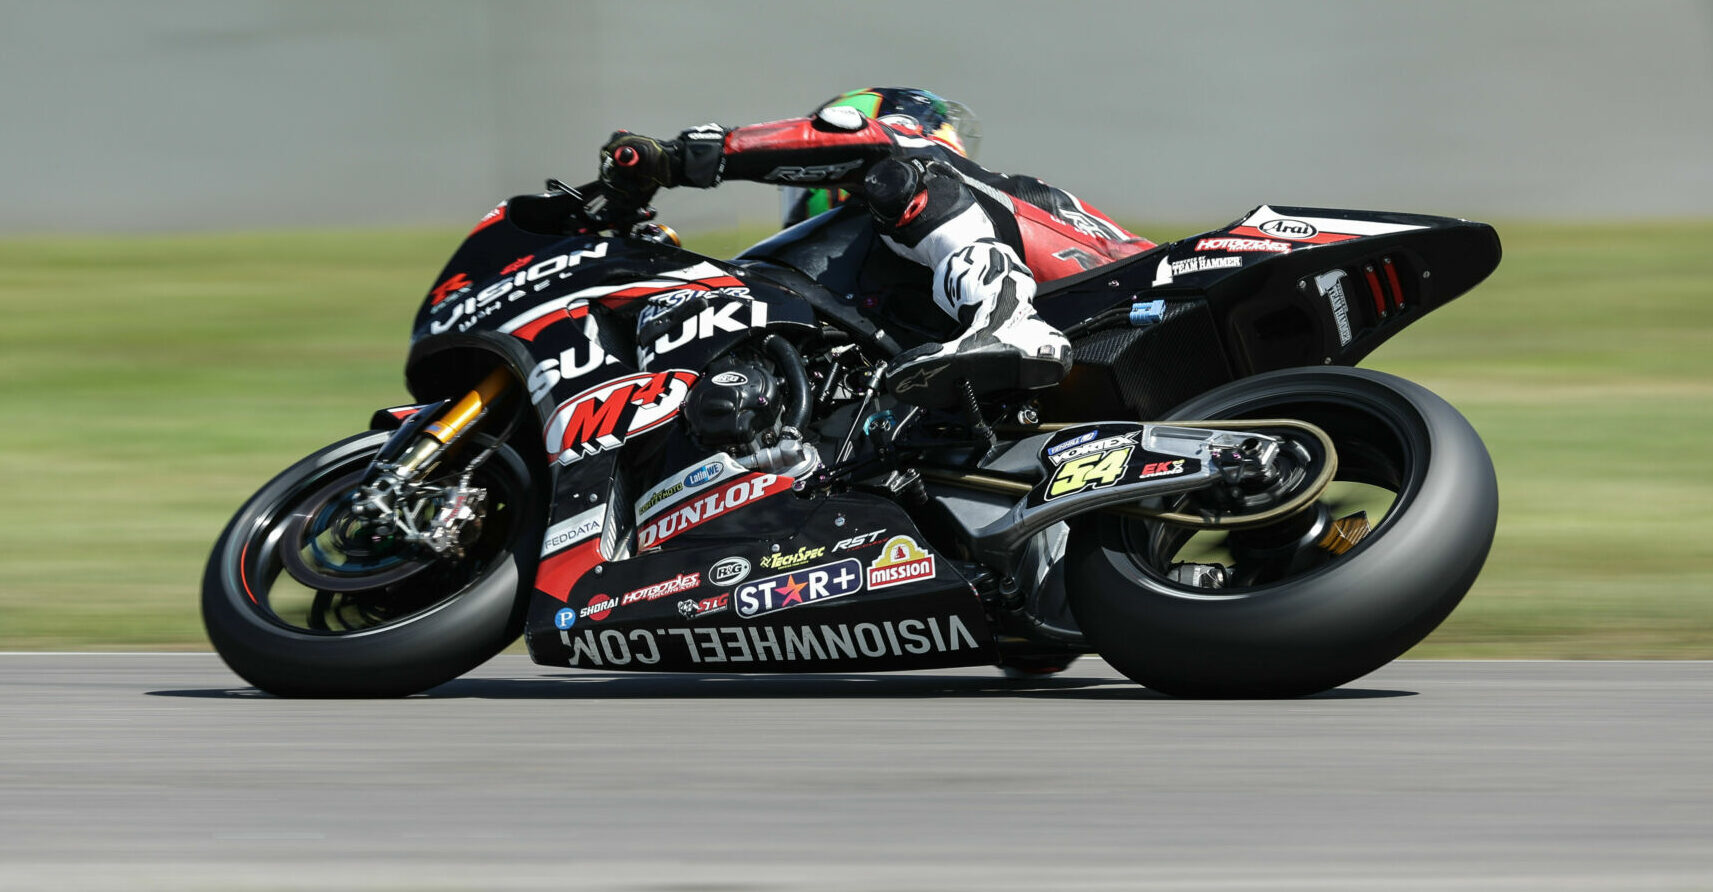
x=905, y=153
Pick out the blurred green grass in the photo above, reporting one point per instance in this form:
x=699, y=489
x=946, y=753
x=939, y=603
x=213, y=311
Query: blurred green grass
x=151, y=384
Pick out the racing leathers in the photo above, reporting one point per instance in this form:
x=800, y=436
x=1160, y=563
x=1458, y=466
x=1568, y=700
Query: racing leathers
x=986, y=237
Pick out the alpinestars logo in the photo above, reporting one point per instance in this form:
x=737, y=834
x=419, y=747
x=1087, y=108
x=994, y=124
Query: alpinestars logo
x=603, y=417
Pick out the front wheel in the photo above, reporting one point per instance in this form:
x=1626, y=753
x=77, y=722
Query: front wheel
x=396, y=622
x=1322, y=597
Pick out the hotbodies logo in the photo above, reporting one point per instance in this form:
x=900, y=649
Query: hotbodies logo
x=808, y=586
x=680, y=583
x=901, y=561
x=718, y=501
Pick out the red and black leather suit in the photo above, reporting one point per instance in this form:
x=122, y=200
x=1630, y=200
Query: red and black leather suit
x=987, y=237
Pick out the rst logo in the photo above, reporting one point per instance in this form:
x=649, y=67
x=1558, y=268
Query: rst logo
x=719, y=500
x=822, y=583
x=814, y=173
x=604, y=416
x=861, y=541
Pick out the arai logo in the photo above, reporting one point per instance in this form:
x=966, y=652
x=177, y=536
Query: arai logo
x=707, y=473
x=729, y=571
x=1285, y=227
x=730, y=379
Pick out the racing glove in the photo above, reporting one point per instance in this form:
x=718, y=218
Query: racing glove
x=637, y=164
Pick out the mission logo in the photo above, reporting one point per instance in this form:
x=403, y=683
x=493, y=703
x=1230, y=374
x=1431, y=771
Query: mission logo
x=901, y=561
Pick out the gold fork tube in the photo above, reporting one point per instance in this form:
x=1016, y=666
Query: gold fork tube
x=457, y=420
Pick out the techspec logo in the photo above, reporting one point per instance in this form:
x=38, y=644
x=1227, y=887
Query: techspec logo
x=808, y=586
x=901, y=561
x=603, y=417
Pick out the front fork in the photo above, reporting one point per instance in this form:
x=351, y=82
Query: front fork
x=427, y=436
x=395, y=495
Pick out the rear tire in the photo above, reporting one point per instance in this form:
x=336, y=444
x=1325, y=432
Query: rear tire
x=1318, y=628
x=414, y=634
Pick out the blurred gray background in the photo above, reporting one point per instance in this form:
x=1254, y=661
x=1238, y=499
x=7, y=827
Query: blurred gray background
x=215, y=114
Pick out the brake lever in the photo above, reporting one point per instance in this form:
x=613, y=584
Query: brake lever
x=600, y=207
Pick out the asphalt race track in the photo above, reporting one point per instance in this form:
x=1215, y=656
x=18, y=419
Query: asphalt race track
x=164, y=772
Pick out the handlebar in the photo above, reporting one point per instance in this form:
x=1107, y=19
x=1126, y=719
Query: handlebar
x=600, y=205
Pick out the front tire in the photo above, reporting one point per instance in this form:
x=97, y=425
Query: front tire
x=1323, y=620
x=391, y=640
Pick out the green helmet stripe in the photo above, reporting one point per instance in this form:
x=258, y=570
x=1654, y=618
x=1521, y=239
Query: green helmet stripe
x=865, y=101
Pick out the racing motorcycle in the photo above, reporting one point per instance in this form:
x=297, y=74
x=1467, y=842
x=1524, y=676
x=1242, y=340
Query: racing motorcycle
x=644, y=459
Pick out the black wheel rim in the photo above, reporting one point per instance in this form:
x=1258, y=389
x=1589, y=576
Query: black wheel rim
x=1382, y=455
x=398, y=592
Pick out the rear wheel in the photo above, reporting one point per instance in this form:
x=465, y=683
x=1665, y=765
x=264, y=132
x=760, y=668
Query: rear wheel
x=378, y=619
x=1317, y=599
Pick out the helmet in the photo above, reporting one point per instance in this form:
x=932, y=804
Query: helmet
x=949, y=123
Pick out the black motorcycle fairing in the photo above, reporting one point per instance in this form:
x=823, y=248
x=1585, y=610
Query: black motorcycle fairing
x=841, y=251
x=1280, y=287
x=844, y=583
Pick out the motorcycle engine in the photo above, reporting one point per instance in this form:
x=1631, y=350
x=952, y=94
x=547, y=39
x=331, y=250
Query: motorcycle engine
x=738, y=407
x=735, y=409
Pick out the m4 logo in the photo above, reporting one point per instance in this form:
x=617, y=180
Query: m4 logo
x=1094, y=471
x=603, y=417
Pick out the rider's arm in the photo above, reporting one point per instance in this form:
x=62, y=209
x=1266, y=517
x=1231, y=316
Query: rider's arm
x=831, y=147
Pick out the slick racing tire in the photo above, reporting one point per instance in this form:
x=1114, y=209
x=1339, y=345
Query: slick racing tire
x=1293, y=618
x=421, y=623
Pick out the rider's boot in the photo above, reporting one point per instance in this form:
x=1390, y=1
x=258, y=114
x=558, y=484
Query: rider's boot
x=1003, y=344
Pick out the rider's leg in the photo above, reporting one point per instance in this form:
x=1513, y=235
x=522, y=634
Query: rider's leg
x=930, y=215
